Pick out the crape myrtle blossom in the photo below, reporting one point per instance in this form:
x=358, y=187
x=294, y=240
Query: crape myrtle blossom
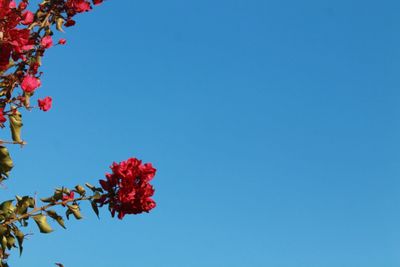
x=45, y=103
x=128, y=188
x=47, y=42
x=30, y=83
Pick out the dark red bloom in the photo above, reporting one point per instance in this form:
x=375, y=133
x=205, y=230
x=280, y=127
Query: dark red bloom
x=45, y=103
x=69, y=23
x=97, y=2
x=78, y=6
x=2, y=118
x=128, y=188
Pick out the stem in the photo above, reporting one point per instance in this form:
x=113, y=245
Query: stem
x=43, y=208
x=22, y=143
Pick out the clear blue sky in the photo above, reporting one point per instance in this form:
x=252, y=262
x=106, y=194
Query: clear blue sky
x=274, y=126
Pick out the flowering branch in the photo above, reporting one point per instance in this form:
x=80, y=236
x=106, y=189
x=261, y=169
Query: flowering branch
x=25, y=36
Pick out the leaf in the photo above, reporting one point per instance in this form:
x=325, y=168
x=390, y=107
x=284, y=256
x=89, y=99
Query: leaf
x=80, y=190
x=67, y=213
x=96, y=196
x=60, y=221
x=75, y=211
x=10, y=242
x=4, y=242
x=58, y=194
x=3, y=230
x=20, y=239
x=6, y=163
x=7, y=208
x=41, y=221
x=16, y=125
x=59, y=24
x=47, y=199
x=58, y=218
x=91, y=187
x=95, y=208
x=23, y=203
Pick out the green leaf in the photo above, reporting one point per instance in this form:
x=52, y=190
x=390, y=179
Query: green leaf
x=58, y=218
x=10, y=242
x=6, y=163
x=47, y=199
x=60, y=221
x=41, y=221
x=96, y=196
x=23, y=203
x=16, y=125
x=75, y=211
x=95, y=208
x=58, y=194
x=67, y=213
x=3, y=242
x=80, y=190
x=7, y=208
x=20, y=239
x=3, y=230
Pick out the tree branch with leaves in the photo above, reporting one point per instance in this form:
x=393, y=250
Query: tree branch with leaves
x=25, y=36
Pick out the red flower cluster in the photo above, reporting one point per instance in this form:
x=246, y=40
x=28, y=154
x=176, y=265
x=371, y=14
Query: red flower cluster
x=128, y=188
x=13, y=41
x=30, y=83
x=45, y=103
x=22, y=39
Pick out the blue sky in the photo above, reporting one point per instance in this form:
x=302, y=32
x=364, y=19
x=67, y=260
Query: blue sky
x=274, y=127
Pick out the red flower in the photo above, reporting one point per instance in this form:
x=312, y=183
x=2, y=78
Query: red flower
x=12, y=4
x=27, y=17
x=69, y=23
x=62, y=41
x=2, y=118
x=45, y=103
x=4, y=7
x=46, y=42
x=128, y=188
x=78, y=6
x=69, y=196
x=5, y=56
x=22, y=5
x=30, y=83
x=97, y=2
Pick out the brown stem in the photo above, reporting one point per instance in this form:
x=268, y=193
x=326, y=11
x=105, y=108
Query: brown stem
x=43, y=208
x=22, y=143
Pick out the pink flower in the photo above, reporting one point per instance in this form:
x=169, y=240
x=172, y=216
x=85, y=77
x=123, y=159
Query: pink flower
x=45, y=103
x=62, y=41
x=12, y=4
x=30, y=83
x=47, y=42
x=68, y=197
x=27, y=17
